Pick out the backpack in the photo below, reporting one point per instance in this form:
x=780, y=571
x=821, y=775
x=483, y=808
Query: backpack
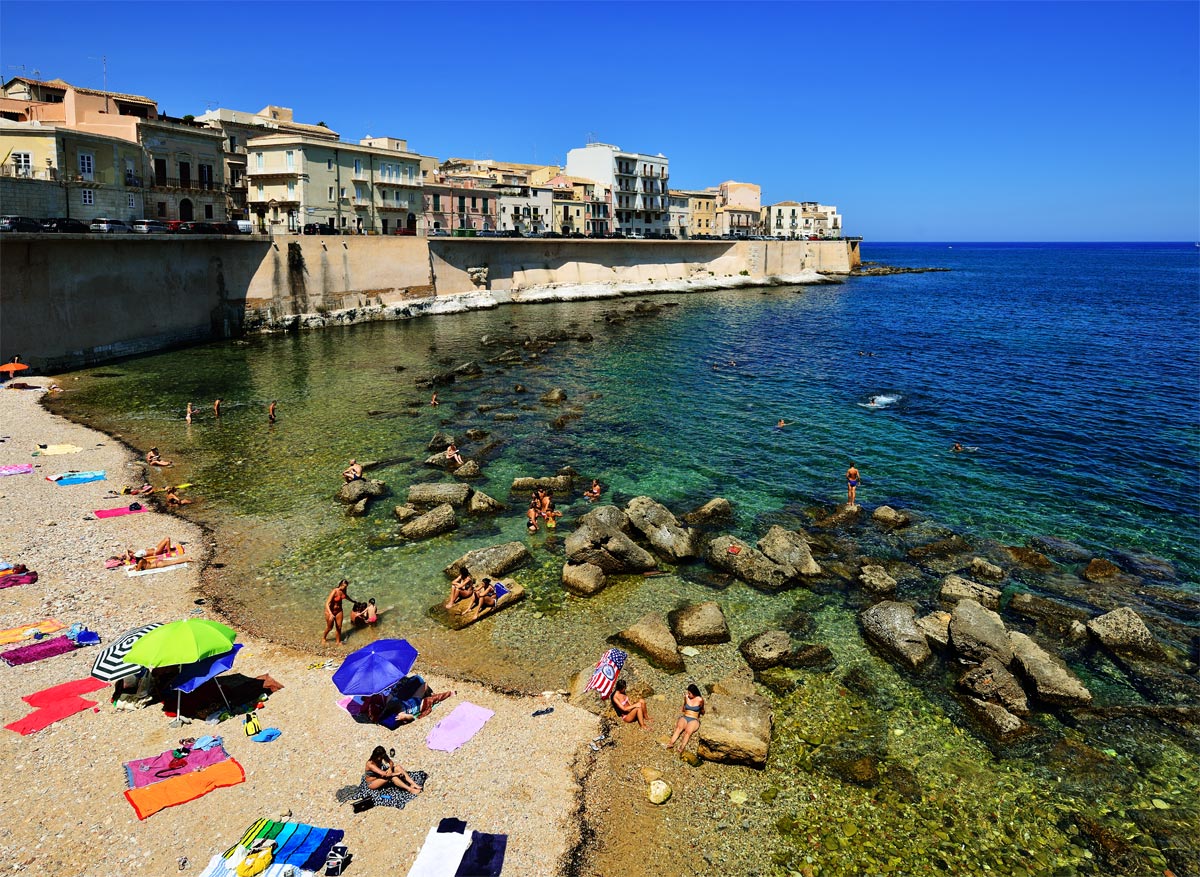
x=251, y=725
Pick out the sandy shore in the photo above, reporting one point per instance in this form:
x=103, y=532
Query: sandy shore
x=63, y=806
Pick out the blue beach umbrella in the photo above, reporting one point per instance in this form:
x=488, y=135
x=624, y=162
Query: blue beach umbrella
x=375, y=667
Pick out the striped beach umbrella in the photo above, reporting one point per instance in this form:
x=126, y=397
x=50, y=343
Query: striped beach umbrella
x=110, y=665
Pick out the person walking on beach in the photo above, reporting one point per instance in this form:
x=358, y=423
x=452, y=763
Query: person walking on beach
x=217, y=407
x=271, y=411
x=333, y=610
x=851, y=486
x=188, y=416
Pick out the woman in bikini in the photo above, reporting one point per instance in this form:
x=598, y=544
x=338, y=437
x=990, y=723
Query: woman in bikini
x=452, y=455
x=154, y=458
x=627, y=710
x=483, y=596
x=333, y=610
x=463, y=586
x=689, y=718
x=593, y=492
x=382, y=771
x=535, y=506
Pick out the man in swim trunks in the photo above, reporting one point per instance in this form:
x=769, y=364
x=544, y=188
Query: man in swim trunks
x=353, y=472
x=851, y=485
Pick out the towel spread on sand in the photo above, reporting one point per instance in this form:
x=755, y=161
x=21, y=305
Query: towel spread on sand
x=181, y=789
x=485, y=856
x=48, y=715
x=76, y=477
x=116, y=513
x=53, y=450
x=302, y=846
x=146, y=572
x=22, y=469
x=16, y=634
x=14, y=579
x=147, y=771
x=38, y=651
x=48, y=696
x=461, y=725
x=441, y=854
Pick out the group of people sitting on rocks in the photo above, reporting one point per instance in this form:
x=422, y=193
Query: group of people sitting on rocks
x=482, y=594
x=541, y=508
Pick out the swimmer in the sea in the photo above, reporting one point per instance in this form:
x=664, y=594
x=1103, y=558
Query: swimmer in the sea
x=958, y=448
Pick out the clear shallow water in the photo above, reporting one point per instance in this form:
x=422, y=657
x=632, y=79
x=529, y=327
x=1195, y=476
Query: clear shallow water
x=1075, y=371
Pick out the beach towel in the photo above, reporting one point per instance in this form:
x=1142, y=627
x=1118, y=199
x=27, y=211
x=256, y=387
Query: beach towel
x=116, y=513
x=54, y=450
x=76, y=477
x=461, y=725
x=146, y=572
x=147, y=771
x=179, y=790
x=440, y=855
x=484, y=857
x=22, y=469
x=16, y=634
x=38, y=651
x=604, y=678
x=48, y=715
x=54, y=693
x=13, y=579
x=296, y=843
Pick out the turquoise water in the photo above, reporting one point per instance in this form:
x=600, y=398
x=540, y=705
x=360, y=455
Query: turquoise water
x=1074, y=370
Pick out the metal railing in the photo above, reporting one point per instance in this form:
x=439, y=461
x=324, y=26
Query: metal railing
x=188, y=184
x=28, y=173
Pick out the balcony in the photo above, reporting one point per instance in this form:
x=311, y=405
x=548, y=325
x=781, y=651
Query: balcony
x=28, y=173
x=188, y=185
x=133, y=180
x=411, y=184
x=270, y=172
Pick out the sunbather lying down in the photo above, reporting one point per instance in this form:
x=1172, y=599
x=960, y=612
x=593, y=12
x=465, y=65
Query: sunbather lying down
x=165, y=553
x=416, y=705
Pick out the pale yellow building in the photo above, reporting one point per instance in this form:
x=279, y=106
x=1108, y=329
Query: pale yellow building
x=701, y=212
x=738, y=208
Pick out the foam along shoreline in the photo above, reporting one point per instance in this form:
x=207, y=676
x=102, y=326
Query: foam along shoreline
x=594, y=291
x=76, y=822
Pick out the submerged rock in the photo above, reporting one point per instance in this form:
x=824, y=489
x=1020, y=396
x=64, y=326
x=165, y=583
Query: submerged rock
x=554, y=397
x=892, y=626
x=651, y=636
x=493, y=561
x=1123, y=632
x=699, y=624
x=768, y=649
x=1099, y=570
x=439, y=442
x=875, y=580
x=985, y=570
x=1029, y=557
x=991, y=681
x=583, y=579
x=955, y=588
x=434, y=522
x=405, y=513
x=1061, y=549
x=997, y=722
x=481, y=504
x=890, y=519
x=1049, y=677
x=439, y=494
x=977, y=633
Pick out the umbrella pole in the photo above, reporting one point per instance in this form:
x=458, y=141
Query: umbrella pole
x=223, y=697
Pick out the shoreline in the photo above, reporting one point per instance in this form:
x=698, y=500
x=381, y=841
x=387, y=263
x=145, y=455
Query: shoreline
x=79, y=825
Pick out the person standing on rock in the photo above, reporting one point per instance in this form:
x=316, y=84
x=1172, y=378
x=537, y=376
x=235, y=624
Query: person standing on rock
x=851, y=486
x=188, y=416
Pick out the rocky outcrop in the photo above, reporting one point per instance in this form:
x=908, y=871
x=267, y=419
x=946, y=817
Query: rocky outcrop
x=1099, y=570
x=439, y=494
x=889, y=518
x=439, y=442
x=583, y=579
x=1029, y=557
x=936, y=627
x=736, y=728
x=946, y=547
x=977, y=633
x=652, y=638
x=991, y=681
x=438, y=461
x=956, y=588
x=559, y=485
x=748, y=564
x=1048, y=676
x=700, y=624
x=768, y=649
x=1123, y=633
x=599, y=540
x=493, y=561
x=875, y=580
x=790, y=550
x=554, y=397
x=1147, y=566
x=433, y=523
x=480, y=503
x=469, y=469
x=985, y=570
x=997, y=722
x=714, y=513
x=363, y=488
x=660, y=528
x=892, y=626
x=1061, y=549
x=405, y=513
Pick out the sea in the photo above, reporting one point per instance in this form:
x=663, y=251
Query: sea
x=1069, y=373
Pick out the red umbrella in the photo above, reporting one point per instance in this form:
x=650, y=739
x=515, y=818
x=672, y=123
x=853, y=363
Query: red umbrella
x=11, y=367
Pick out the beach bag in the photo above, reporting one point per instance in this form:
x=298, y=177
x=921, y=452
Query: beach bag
x=256, y=863
x=336, y=861
x=251, y=725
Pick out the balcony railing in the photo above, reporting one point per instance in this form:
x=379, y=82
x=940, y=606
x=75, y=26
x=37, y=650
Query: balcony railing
x=188, y=184
x=28, y=173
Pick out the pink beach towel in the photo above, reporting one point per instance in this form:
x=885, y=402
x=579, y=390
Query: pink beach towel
x=461, y=725
x=116, y=513
x=148, y=771
x=23, y=469
x=11, y=580
x=38, y=651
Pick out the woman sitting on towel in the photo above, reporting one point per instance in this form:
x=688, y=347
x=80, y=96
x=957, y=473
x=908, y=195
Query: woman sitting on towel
x=463, y=586
x=628, y=710
x=483, y=596
x=383, y=772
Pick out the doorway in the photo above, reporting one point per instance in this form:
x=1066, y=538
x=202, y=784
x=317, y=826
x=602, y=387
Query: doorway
x=185, y=210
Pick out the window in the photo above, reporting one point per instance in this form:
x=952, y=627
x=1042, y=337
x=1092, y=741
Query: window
x=291, y=190
x=342, y=192
x=258, y=160
x=161, y=209
x=331, y=193
x=260, y=191
x=290, y=158
x=485, y=205
x=232, y=143
x=329, y=164
x=87, y=166
x=88, y=196
x=22, y=164
x=132, y=203
x=208, y=211
x=437, y=202
x=343, y=222
x=357, y=166
x=397, y=196
x=206, y=175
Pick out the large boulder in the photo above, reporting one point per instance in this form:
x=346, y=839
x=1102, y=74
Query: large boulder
x=1123, y=633
x=433, y=523
x=699, y=624
x=607, y=516
x=876, y=580
x=1049, y=677
x=889, y=519
x=736, y=728
x=936, y=627
x=660, y=527
x=997, y=722
x=892, y=626
x=748, y=564
x=439, y=494
x=439, y=442
x=493, y=561
x=559, y=485
x=955, y=588
x=469, y=469
x=438, y=461
x=790, y=550
x=596, y=542
x=768, y=649
x=977, y=633
x=652, y=638
x=583, y=579
x=713, y=513
x=1099, y=570
x=992, y=681
x=480, y=503
x=362, y=488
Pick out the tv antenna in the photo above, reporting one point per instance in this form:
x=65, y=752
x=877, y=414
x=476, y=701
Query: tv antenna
x=103, y=59
x=35, y=73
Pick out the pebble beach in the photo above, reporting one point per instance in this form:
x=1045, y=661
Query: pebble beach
x=63, y=808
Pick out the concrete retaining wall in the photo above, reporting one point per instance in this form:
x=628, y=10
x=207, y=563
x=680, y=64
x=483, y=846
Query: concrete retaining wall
x=72, y=300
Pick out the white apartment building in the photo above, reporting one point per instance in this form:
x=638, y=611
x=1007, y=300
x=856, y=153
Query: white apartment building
x=801, y=219
x=680, y=213
x=526, y=209
x=638, y=182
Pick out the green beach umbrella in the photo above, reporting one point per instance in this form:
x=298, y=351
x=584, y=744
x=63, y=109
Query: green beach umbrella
x=181, y=642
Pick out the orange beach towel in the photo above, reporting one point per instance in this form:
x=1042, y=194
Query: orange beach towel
x=16, y=634
x=148, y=800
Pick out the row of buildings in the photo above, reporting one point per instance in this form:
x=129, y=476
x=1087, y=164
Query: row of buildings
x=84, y=153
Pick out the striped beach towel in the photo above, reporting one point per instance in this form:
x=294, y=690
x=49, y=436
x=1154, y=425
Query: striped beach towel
x=303, y=846
x=608, y=668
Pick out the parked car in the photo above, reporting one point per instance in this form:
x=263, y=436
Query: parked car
x=150, y=226
x=201, y=226
x=550, y=234
x=19, y=223
x=667, y=236
x=489, y=233
x=597, y=235
x=318, y=228
x=104, y=225
x=65, y=225
x=635, y=236
x=438, y=233
x=244, y=226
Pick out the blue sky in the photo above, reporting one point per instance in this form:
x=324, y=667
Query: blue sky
x=920, y=121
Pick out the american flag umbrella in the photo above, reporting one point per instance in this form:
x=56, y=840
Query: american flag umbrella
x=110, y=665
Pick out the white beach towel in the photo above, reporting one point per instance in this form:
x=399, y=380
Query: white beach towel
x=145, y=572
x=441, y=855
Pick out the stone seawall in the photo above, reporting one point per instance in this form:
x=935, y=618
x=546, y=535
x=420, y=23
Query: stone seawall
x=73, y=300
